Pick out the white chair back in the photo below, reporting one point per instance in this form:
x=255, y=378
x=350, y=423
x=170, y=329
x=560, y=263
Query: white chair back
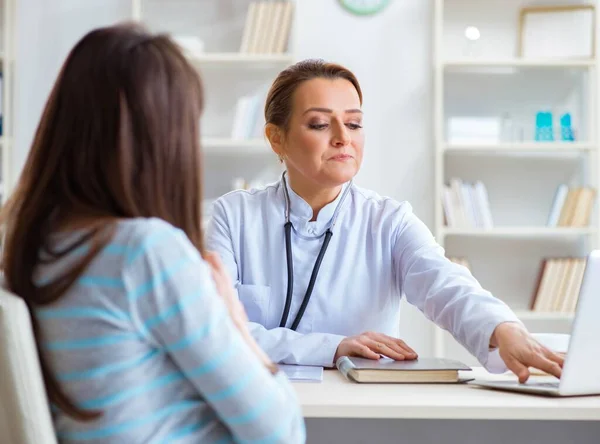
x=24, y=413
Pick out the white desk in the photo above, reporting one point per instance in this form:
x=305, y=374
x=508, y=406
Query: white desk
x=337, y=397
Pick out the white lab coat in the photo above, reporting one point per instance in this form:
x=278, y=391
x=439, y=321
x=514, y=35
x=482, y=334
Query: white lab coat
x=379, y=251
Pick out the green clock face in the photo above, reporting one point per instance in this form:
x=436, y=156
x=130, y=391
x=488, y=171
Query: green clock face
x=364, y=7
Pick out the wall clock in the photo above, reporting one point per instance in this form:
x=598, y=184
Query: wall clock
x=364, y=7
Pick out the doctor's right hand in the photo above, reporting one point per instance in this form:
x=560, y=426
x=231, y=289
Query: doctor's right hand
x=373, y=345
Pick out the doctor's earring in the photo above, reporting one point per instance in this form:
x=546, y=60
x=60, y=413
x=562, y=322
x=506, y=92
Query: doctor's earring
x=280, y=158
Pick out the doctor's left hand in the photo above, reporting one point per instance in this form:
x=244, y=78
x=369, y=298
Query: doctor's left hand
x=519, y=350
x=373, y=345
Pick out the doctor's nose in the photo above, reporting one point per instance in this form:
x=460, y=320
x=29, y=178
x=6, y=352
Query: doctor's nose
x=341, y=138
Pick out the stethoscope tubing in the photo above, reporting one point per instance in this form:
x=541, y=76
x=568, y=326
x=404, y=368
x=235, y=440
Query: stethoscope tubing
x=290, y=262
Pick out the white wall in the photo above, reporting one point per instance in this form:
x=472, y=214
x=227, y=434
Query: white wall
x=390, y=53
x=45, y=33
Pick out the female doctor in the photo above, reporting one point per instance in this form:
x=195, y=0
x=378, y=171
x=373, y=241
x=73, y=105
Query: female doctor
x=320, y=264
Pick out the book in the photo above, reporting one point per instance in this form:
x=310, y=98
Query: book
x=267, y=27
x=422, y=370
x=557, y=285
x=572, y=207
x=557, y=204
x=466, y=205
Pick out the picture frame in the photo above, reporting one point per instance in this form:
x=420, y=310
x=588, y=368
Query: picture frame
x=557, y=31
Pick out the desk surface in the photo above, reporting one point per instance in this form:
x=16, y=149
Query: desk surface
x=337, y=397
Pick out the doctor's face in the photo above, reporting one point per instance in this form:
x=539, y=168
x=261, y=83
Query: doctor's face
x=324, y=141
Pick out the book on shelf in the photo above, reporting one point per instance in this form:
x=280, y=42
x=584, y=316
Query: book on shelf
x=267, y=27
x=466, y=205
x=421, y=370
x=249, y=120
x=571, y=206
x=557, y=285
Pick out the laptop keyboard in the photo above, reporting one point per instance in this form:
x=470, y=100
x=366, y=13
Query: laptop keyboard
x=543, y=384
x=553, y=385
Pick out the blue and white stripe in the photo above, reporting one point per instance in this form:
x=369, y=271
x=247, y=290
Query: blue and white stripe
x=144, y=338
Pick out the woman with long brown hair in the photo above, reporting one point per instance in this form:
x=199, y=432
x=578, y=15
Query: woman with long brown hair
x=140, y=333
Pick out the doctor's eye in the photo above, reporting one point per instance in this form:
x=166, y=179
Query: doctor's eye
x=354, y=126
x=317, y=126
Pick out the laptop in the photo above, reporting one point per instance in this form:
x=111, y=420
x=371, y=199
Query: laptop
x=581, y=370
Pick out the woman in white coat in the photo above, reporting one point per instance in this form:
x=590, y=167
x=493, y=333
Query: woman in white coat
x=320, y=264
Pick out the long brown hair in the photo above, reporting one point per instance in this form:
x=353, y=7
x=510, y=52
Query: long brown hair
x=279, y=103
x=118, y=138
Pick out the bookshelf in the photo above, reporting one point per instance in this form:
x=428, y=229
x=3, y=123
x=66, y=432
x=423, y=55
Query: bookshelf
x=482, y=84
x=516, y=63
x=224, y=145
x=520, y=147
x=527, y=315
x=7, y=25
x=240, y=59
x=526, y=232
x=238, y=47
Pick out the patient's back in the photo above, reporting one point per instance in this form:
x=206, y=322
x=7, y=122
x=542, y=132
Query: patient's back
x=141, y=337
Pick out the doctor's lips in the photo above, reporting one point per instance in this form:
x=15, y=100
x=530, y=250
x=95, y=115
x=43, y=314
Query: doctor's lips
x=341, y=157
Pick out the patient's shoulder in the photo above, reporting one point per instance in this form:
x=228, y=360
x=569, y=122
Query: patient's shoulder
x=137, y=229
x=152, y=237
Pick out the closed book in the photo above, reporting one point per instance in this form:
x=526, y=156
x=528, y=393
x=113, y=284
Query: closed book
x=422, y=370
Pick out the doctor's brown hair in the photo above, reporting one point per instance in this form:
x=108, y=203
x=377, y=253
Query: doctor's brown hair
x=118, y=138
x=280, y=98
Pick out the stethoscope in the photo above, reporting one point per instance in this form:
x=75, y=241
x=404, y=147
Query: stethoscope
x=290, y=261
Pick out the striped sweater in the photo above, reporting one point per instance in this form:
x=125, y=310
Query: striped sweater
x=143, y=337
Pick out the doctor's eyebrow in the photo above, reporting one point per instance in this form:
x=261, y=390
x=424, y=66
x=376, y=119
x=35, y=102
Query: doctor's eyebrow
x=329, y=110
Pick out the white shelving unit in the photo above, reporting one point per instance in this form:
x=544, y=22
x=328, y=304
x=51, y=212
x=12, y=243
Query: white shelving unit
x=239, y=58
x=523, y=147
x=522, y=175
x=534, y=316
x=227, y=75
x=516, y=63
x=7, y=17
x=226, y=146
x=526, y=232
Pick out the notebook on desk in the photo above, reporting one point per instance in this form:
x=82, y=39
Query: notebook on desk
x=385, y=370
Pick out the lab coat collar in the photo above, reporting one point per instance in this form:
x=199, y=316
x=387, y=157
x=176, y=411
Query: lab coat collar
x=301, y=212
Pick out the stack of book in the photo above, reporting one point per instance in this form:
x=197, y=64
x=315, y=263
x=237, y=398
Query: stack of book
x=557, y=286
x=466, y=205
x=572, y=207
x=267, y=27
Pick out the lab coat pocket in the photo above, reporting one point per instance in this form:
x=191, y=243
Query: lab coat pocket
x=255, y=299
